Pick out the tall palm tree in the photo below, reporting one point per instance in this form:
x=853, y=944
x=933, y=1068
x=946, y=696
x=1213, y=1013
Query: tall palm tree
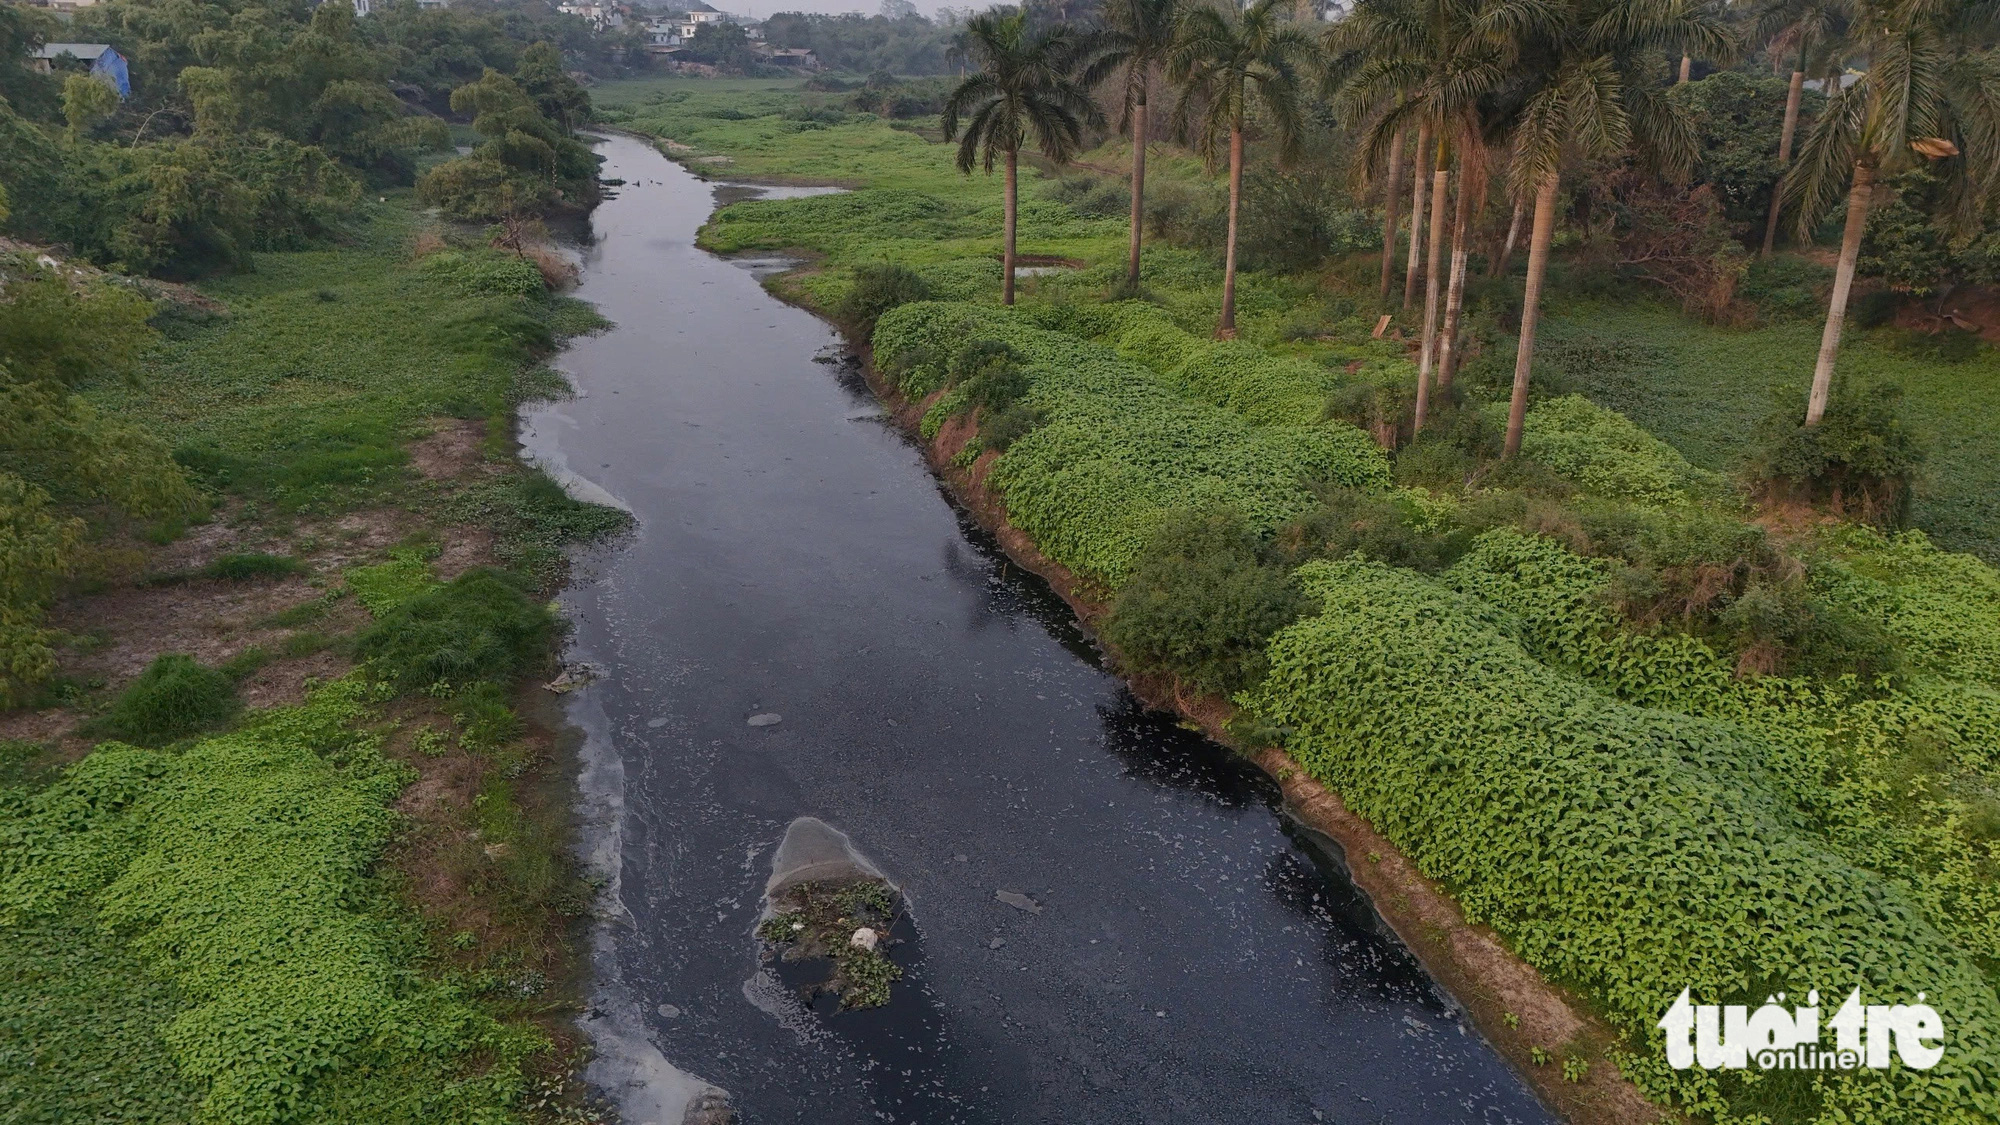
x=1931, y=94
x=1801, y=25
x=1136, y=39
x=1588, y=63
x=1221, y=61
x=1432, y=62
x=1390, y=201
x=1027, y=83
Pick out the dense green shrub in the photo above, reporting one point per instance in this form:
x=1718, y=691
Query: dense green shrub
x=478, y=273
x=174, y=697
x=1403, y=528
x=1786, y=287
x=1097, y=196
x=1202, y=601
x=1628, y=852
x=876, y=289
x=1606, y=454
x=480, y=626
x=241, y=874
x=1117, y=449
x=1859, y=459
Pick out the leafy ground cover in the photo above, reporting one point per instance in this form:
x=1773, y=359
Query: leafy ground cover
x=351, y=899
x=1652, y=741
x=1704, y=389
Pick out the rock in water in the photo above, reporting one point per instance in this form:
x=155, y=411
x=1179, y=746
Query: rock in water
x=766, y=719
x=1018, y=901
x=864, y=938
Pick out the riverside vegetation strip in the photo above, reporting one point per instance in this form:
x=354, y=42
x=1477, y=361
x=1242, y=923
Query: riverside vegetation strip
x=356, y=905
x=1488, y=665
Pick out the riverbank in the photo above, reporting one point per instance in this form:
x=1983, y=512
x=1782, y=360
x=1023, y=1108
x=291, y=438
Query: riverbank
x=1479, y=682
x=367, y=825
x=1532, y=1022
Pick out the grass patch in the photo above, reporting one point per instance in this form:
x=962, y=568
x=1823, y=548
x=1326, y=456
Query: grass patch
x=480, y=626
x=173, y=698
x=1705, y=390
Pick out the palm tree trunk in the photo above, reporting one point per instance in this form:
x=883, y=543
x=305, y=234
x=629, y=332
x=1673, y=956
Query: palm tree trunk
x=1410, y=269
x=1226, y=329
x=1427, y=350
x=1843, y=281
x=1687, y=66
x=1391, y=201
x=1792, y=96
x=1454, y=296
x=1506, y=254
x=1138, y=188
x=1531, y=309
x=1007, y=235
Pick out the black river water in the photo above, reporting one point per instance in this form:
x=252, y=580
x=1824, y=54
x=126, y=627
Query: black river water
x=1194, y=956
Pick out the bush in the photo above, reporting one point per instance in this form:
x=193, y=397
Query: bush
x=1202, y=601
x=876, y=289
x=1627, y=851
x=1858, y=461
x=480, y=626
x=1786, y=287
x=1605, y=453
x=174, y=697
x=484, y=273
x=1391, y=527
x=1096, y=197
x=1117, y=450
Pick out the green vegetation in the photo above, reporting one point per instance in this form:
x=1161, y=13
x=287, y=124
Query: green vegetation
x=239, y=874
x=819, y=920
x=173, y=697
x=1706, y=390
x=479, y=626
x=1651, y=740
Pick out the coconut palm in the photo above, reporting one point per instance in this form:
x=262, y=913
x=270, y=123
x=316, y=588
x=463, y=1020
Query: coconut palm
x=1222, y=61
x=1431, y=63
x=1804, y=26
x=1135, y=41
x=1027, y=84
x=1589, y=94
x=1931, y=95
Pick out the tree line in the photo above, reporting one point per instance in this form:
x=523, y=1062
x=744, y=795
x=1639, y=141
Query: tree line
x=258, y=126
x=1506, y=97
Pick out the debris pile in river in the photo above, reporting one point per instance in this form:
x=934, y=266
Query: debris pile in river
x=846, y=921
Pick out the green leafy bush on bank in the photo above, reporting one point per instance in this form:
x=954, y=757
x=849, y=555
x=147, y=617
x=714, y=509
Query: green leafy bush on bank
x=241, y=872
x=1116, y=450
x=1627, y=851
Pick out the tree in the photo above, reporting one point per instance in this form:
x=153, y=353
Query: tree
x=1138, y=35
x=525, y=166
x=1220, y=58
x=1027, y=83
x=540, y=73
x=1931, y=95
x=1431, y=63
x=87, y=102
x=1589, y=95
x=1802, y=26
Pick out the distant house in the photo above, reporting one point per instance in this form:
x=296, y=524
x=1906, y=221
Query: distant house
x=797, y=58
x=67, y=5
x=105, y=64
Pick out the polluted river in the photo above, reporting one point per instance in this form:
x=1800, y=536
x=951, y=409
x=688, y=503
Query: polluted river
x=1107, y=917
